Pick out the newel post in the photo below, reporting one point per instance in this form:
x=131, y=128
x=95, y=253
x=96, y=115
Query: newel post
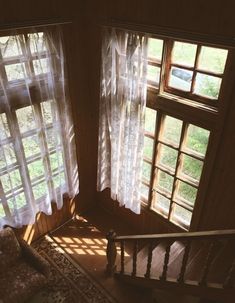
x=111, y=252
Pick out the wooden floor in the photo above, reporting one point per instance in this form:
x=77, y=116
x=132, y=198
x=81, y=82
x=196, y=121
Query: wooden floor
x=84, y=240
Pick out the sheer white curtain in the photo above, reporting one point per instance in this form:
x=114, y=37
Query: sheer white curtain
x=37, y=149
x=122, y=107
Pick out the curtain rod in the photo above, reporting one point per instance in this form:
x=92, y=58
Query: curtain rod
x=31, y=23
x=170, y=32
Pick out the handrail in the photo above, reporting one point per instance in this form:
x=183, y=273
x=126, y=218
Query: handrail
x=200, y=234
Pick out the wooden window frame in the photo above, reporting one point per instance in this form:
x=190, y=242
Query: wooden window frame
x=208, y=114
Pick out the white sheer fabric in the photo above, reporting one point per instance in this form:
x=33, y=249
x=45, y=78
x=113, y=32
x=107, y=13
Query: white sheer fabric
x=122, y=107
x=37, y=148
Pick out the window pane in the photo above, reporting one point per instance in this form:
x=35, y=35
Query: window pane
x=15, y=71
x=186, y=192
x=155, y=47
x=197, y=139
x=184, y=53
x=144, y=191
x=59, y=180
x=165, y=181
x=36, y=169
x=40, y=190
x=148, y=147
x=56, y=160
x=146, y=171
x=161, y=203
x=48, y=112
x=180, y=214
x=17, y=202
x=153, y=74
x=11, y=180
x=180, y=78
x=207, y=86
x=4, y=129
x=37, y=42
x=212, y=59
x=41, y=66
x=52, y=138
x=31, y=146
x=2, y=212
x=150, y=120
x=25, y=119
x=168, y=156
x=192, y=167
x=10, y=46
x=171, y=130
x=7, y=155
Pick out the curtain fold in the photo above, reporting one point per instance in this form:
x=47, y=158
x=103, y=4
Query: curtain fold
x=122, y=108
x=37, y=149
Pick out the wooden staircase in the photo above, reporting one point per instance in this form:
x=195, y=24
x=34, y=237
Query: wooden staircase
x=201, y=264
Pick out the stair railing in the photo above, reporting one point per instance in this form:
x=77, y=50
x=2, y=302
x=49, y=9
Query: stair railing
x=153, y=239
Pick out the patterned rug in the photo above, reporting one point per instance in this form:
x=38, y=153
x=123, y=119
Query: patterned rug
x=68, y=282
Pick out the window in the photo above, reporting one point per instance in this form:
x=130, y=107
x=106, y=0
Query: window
x=184, y=86
x=33, y=166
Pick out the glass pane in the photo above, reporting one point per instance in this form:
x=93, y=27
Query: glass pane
x=192, y=167
x=15, y=71
x=37, y=42
x=212, y=59
x=155, y=47
x=153, y=74
x=161, y=203
x=180, y=214
x=40, y=190
x=180, y=78
x=165, y=181
x=10, y=46
x=184, y=53
x=17, y=202
x=207, y=86
x=48, y=112
x=31, y=146
x=197, y=139
x=25, y=119
x=144, y=191
x=59, y=180
x=4, y=129
x=56, y=160
x=148, y=147
x=2, y=213
x=150, y=120
x=168, y=156
x=41, y=66
x=7, y=155
x=11, y=180
x=36, y=169
x=53, y=139
x=187, y=192
x=171, y=130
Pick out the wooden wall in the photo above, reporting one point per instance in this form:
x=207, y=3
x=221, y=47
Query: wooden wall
x=82, y=45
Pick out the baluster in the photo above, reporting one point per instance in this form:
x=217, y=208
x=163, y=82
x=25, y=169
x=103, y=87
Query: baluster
x=166, y=260
x=184, y=261
x=150, y=255
x=208, y=262
x=230, y=277
x=111, y=252
x=135, y=248
x=122, y=256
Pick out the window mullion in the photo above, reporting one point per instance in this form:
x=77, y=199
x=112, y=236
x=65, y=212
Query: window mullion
x=178, y=166
x=4, y=202
x=44, y=148
x=20, y=156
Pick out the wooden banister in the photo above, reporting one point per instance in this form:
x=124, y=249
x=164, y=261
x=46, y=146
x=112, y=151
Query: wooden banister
x=181, y=236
